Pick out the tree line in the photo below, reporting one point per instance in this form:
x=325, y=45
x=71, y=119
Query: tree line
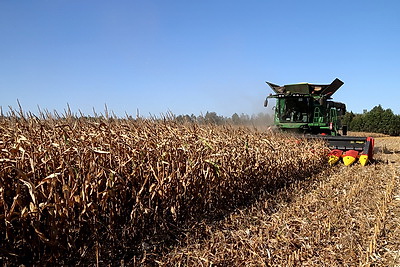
x=260, y=119
x=377, y=120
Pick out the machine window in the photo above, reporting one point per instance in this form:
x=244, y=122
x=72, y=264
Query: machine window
x=294, y=110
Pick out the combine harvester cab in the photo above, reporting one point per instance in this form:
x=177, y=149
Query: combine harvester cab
x=307, y=109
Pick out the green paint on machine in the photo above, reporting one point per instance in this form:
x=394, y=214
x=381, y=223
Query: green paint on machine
x=308, y=109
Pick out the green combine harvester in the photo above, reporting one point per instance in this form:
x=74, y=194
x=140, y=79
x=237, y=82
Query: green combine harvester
x=308, y=109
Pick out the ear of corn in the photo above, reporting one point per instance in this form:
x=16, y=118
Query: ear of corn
x=73, y=190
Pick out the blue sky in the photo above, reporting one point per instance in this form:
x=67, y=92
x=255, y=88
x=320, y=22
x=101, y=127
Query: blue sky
x=194, y=56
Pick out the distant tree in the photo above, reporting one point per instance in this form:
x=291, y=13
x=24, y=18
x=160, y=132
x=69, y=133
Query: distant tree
x=377, y=120
x=213, y=118
x=200, y=119
x=391, y=123
x=395, y=130
x=235, y=119
x=244, y=118
x=184, y=119
x=347, y=119
x=357, y=123
x=373, y=120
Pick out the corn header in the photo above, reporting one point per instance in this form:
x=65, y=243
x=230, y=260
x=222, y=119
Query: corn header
x=308, y=109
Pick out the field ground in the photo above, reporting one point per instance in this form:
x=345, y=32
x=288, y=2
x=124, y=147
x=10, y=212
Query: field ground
x=346, y=216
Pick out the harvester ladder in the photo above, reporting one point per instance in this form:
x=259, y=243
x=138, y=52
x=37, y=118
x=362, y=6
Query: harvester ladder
x=333, y=118
x=318, y=116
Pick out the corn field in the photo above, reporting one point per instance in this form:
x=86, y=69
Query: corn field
x=78, y=190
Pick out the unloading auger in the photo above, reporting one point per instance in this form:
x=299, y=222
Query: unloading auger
x=307, y=109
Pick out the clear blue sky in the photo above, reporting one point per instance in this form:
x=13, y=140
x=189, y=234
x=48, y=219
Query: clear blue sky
x=190, y=57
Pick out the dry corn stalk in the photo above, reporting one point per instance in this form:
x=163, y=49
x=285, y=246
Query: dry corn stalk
x=79, y=187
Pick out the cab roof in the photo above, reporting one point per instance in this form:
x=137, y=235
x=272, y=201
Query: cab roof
x=307, y=88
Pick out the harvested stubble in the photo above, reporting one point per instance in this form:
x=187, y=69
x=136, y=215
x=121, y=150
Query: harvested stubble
x=366, y=134
x=84, y=190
